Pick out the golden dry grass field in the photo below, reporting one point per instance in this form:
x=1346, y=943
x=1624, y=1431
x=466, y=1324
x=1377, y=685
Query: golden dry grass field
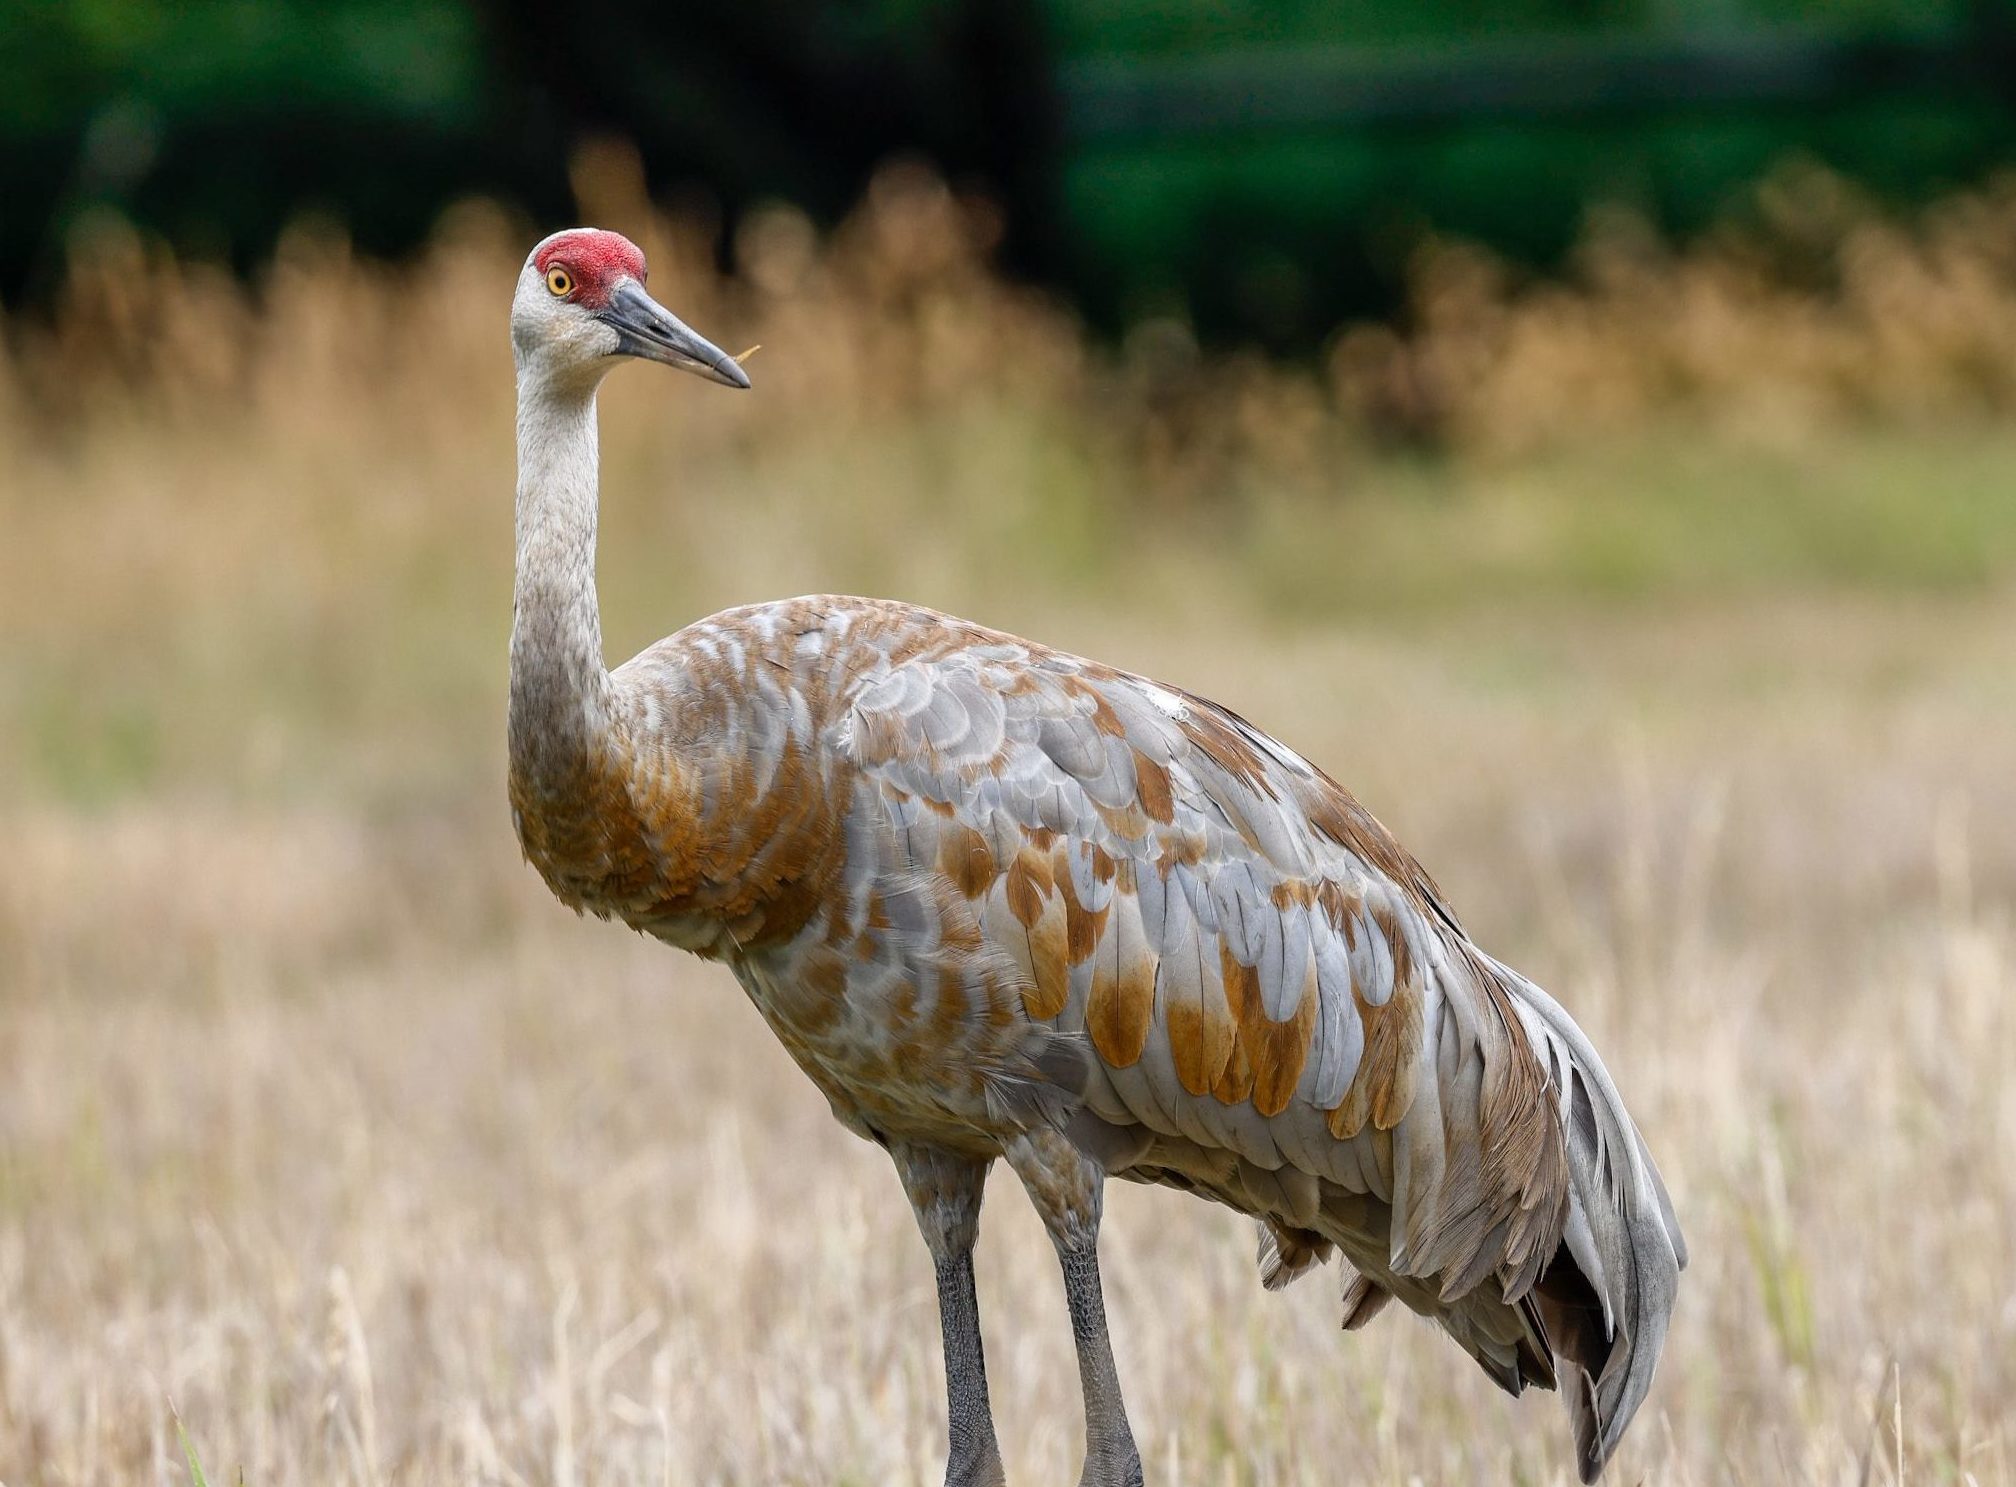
x=1687, y=662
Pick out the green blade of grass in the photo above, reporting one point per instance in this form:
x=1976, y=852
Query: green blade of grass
x=188, y=1450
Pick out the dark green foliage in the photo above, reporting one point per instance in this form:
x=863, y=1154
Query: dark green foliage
x=1263, y=167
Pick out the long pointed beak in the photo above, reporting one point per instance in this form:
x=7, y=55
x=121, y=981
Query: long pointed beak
x=647, y=329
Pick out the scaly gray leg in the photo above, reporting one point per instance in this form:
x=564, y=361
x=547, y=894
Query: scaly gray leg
x=1067, y=1188
x=945, y=1191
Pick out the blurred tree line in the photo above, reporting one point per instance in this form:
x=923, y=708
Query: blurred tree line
x=1262, y=166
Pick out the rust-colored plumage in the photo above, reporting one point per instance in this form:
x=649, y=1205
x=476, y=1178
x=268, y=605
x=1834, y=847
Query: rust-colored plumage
x=999, y=900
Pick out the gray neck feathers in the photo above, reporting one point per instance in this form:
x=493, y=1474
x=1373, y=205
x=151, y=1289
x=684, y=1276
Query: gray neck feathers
x=561, y=697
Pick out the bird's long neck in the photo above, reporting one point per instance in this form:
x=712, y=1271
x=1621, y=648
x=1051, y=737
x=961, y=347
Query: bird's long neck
x=561, y=696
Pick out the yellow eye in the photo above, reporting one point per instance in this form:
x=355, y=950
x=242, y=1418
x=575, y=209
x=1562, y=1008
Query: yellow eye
x=559, y=281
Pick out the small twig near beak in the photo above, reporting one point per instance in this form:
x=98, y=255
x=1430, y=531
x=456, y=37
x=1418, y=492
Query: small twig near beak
x=738, y=360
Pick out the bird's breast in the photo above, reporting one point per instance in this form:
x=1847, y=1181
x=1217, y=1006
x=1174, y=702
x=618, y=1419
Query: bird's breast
x=714, y=850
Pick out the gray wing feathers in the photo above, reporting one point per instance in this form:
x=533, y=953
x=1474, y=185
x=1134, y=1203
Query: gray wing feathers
x=1340, y=1032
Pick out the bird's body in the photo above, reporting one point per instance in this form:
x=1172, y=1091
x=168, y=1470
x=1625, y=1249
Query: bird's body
x=999, y=901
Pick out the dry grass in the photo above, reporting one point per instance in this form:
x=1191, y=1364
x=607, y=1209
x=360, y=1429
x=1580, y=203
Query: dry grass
x=318, y=1120
x=1810, y=310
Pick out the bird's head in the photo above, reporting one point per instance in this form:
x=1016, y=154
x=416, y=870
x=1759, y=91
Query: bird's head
x=581, y=302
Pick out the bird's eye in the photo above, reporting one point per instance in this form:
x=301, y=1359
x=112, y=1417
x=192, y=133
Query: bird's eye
x=559, y=281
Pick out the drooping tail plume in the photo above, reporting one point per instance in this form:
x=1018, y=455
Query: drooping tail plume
x=1608, y=1293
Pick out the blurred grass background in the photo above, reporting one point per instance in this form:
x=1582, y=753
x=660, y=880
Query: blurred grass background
x=1658, y=589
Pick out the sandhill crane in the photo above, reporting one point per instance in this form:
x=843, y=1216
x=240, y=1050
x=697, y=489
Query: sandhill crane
x=999, y=901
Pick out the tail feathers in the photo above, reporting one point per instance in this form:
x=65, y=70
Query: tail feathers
x=1577, y=1329
x=1364, y=1299
x=1287, y=1254
x=1606, y=1296
x=1507, y=1341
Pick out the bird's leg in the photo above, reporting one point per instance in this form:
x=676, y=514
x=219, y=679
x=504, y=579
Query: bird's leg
x=1067, y=1188
x=945, y=1192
